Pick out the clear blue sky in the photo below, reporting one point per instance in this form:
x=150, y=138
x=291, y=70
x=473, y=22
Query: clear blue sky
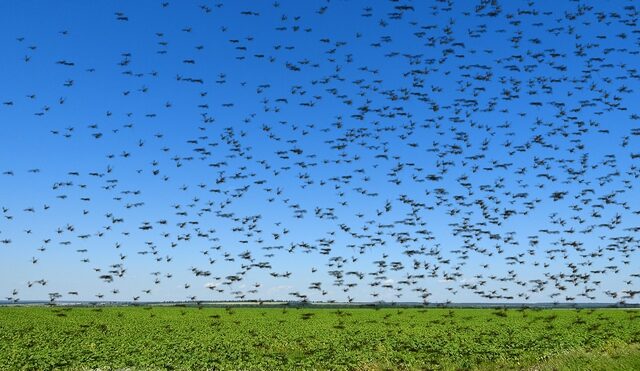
x=315, y=104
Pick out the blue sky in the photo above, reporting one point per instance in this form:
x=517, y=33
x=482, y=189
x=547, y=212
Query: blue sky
x=126, y=93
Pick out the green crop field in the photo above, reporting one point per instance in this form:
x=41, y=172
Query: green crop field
x=274, y=338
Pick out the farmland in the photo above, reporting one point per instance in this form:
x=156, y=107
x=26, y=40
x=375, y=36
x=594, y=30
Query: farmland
x=304, y=338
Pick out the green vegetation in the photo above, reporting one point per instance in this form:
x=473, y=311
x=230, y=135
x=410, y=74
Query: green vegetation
x=613, y=356
x=270, y=338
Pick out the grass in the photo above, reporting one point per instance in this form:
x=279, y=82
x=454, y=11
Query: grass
x=613, y=356
x=359, y=339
